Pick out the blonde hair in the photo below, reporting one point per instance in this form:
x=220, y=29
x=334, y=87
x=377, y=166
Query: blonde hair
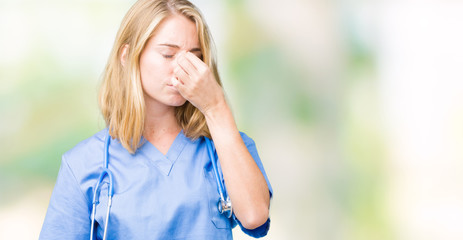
x=121, y=98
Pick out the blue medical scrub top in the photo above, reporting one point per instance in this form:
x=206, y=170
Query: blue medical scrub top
x=156, y=196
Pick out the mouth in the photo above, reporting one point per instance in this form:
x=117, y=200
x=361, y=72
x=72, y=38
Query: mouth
x=171, y=87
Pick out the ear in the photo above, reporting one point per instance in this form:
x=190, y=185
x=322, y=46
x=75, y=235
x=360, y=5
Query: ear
x=124, y=53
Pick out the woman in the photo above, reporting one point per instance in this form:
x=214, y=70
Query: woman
x=161, y=97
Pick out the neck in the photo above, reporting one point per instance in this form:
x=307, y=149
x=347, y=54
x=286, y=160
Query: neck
x=159, y=120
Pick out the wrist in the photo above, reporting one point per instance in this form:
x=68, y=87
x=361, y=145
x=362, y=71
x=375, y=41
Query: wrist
x=219, y=116
x=219, y=108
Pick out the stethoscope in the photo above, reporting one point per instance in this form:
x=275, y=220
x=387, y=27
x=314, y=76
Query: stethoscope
x=224, y=204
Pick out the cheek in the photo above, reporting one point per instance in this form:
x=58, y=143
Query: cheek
x=153, y=68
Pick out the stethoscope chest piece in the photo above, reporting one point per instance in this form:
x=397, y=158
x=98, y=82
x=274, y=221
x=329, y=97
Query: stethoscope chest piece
x=225, y=207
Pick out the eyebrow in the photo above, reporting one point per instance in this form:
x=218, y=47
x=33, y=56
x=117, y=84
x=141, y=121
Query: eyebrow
x=176, y=46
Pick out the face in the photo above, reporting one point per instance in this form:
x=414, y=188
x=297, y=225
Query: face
x=174, y=35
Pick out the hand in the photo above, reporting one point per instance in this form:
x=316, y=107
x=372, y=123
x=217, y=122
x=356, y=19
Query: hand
x=196, y=83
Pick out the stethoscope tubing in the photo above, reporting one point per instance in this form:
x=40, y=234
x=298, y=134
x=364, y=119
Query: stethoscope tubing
x=105, y=172
x=214, y=165
x=224, y=204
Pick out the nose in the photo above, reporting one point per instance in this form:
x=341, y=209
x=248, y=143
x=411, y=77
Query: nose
x=178, y=56
x=175, y=61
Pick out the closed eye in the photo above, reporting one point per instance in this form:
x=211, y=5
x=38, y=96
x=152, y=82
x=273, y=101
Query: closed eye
x=168, y=56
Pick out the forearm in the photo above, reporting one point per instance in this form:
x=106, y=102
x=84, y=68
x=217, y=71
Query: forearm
x=244, y=181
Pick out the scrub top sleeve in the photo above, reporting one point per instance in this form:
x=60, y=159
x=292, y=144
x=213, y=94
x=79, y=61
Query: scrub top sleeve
x=68, y=214
x=251, y=145
x=264, y=228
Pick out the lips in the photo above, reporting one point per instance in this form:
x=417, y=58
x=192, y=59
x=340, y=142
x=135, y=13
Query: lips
x=170, y=86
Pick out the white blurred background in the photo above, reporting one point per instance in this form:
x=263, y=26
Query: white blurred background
x=356, y=107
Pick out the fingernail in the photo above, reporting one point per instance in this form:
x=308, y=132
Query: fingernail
x=174, y=81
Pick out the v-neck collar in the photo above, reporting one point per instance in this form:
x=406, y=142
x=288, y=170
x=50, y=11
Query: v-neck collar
x=164, y=162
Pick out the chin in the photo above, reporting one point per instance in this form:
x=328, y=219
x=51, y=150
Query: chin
x=178, y=102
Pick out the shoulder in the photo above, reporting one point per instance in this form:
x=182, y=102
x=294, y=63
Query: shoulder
x=88, y=145
x=86, y=152
x=248, y=141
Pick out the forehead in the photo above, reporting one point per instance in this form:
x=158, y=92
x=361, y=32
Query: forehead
x=177, y=30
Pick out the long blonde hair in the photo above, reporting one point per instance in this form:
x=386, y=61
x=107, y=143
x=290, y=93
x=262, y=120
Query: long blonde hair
x=121, y=98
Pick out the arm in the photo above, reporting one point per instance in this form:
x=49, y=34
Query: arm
x=245, y=183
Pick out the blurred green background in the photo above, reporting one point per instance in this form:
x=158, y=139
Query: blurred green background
x=356, y=108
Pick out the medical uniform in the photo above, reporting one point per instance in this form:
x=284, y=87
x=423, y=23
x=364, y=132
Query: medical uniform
x=156, y=196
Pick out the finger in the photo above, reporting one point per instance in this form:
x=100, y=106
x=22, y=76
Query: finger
x=195, y=60
x=178, y=85
x=186, y=64
x=181, y=75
